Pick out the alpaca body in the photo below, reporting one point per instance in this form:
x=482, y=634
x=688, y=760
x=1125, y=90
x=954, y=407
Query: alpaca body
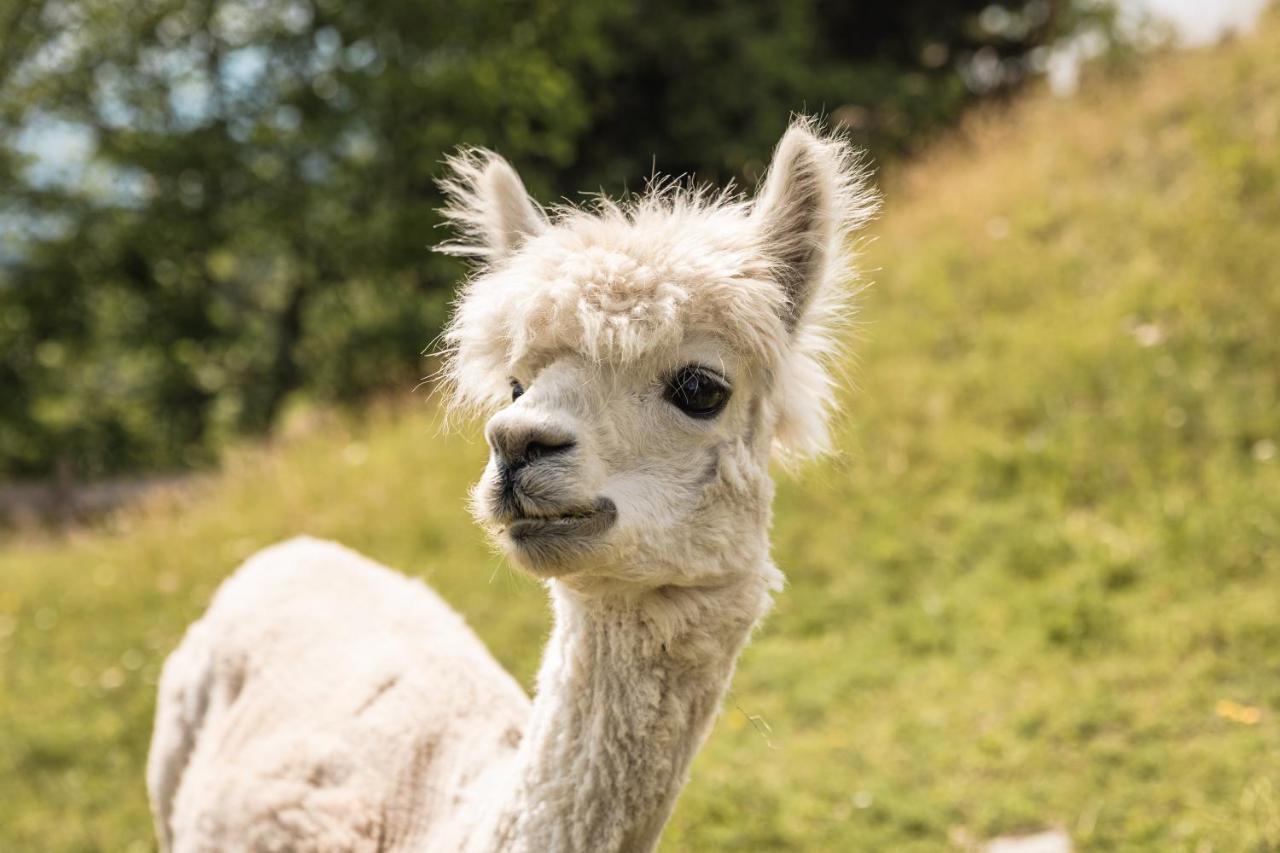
x=640, y=364
x=327, y=703
x=345, y=707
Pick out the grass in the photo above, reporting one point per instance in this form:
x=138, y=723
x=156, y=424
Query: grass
x=1039, y=586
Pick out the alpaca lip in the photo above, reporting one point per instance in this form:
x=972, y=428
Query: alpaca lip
x=578, y=522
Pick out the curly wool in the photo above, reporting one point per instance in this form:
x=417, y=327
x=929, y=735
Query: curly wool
x=621, y=280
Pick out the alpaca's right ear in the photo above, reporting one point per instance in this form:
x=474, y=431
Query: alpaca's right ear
x=488, y=206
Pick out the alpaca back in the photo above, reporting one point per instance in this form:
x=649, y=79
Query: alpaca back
x=326, y=702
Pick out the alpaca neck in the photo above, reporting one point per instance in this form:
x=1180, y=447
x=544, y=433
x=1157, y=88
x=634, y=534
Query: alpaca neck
x=628, y=688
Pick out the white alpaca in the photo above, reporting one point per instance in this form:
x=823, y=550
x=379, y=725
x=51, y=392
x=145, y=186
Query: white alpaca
x=645, y=359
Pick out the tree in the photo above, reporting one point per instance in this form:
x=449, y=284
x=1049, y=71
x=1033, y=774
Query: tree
x=252, y=213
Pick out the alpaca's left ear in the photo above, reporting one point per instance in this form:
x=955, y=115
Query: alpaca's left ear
x=813, y=197
x=488, y=206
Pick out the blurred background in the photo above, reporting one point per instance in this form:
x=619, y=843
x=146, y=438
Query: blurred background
x=209, y=207
x=1036, y=588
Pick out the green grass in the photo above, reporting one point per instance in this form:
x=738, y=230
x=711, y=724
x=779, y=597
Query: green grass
x=1047, y=552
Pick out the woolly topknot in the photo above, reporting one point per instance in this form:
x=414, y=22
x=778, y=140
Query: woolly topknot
x=616, y=281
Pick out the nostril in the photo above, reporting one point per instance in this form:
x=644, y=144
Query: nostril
x=515, y=442
x=540, y=449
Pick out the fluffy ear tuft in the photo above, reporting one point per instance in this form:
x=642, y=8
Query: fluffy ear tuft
x=488, y=206
x=815, y=195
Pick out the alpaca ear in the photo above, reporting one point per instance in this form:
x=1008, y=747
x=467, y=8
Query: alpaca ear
x=488, y=207
x=813, y=196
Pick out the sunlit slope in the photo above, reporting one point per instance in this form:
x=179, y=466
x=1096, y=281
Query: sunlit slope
x=1039, y=586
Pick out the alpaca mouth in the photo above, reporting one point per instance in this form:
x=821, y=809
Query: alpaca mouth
x=573, y=523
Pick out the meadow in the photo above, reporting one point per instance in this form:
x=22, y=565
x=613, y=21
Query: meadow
x=1037, y=586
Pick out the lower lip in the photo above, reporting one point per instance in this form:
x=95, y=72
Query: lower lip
x=569, y=526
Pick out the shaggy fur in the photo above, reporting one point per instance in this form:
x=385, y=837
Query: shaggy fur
x=326, y=703
x=621, y=281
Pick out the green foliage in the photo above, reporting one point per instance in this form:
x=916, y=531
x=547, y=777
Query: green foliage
x=254, y=216
x=1037, y=586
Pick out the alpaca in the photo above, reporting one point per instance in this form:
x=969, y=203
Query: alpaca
x=641, y=361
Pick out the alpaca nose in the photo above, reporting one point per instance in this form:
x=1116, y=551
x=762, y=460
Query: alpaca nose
x=516, y=443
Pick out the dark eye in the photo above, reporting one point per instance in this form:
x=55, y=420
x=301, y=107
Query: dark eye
x=697, y=392
x=516, y=390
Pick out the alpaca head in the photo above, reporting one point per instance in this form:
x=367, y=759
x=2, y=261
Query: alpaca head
x=641, y=361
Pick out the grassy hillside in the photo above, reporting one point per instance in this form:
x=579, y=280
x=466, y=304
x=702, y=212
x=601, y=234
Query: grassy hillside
x=1040, y=585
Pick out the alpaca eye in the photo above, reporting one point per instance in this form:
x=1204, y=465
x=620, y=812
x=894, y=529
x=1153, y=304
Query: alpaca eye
x=517, y=390
x=697, y=392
